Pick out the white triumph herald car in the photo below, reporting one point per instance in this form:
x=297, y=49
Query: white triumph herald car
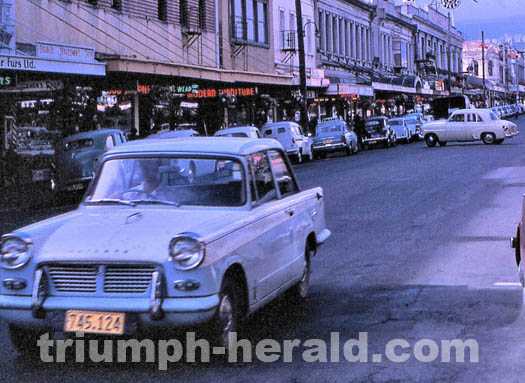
x=469, y=125
x=150, y=247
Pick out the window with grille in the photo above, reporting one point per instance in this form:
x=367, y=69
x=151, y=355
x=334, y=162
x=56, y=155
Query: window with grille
x=162, y=9
x=117, y=4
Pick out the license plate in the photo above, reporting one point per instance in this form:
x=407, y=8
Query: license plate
x=75, y=187
x=372, y=142
x=329, y=141
x=94, y=322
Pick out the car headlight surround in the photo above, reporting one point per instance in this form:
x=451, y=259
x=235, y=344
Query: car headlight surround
x=186, y=251
x=15, y=252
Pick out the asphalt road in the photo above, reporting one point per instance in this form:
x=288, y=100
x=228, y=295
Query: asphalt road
x=419, y=251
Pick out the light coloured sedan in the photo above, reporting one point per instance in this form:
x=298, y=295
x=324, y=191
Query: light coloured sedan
x=469, y=125
x=147, y=248
x=398, y=125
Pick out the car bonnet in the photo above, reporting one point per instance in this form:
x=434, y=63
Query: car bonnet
x=132, y=235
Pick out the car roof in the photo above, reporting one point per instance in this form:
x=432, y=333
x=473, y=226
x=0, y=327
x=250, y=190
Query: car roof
x=473, y=110
x=91, y=134
x=279, y=124
x=212, y=145
x=397, y=118
x=174, y=134
x=235, y=129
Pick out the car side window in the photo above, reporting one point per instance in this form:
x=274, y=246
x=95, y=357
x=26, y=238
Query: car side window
x=460, y=117
x=283, y=175
x=110, y=142
x=263, y=177
x=267, y=132
x=281, y=130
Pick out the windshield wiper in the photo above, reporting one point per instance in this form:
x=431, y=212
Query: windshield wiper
x=112, y=200
x=156, y=201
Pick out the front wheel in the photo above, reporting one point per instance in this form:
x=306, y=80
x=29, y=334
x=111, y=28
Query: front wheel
x=488, y=138
x=300, y=290
x=227, y=318
x=431, y=140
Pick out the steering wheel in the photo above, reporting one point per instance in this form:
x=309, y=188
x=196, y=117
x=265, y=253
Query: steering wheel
x=139, y=193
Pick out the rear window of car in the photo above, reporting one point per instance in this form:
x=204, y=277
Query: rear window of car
x=267, y=132
x=79, y=144
x=395, y=122
x=238, y=134
x=329, y=129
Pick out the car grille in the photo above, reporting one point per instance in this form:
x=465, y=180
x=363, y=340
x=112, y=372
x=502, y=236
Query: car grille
x=73, y=278
x=124, y=279
x=110, y=279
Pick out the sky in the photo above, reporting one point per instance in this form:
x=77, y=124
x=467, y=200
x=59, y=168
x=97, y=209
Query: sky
x=469, y=10
x=495, y=17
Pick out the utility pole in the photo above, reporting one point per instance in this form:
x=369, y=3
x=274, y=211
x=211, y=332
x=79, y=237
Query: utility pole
x=483, y=67
x=449, y=86
x=302, y=65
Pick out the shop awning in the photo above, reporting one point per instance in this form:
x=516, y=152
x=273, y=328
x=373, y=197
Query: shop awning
x=403, y=84
x=132, y=65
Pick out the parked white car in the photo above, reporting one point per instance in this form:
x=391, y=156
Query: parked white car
x=292, y=138
x=399, y=126
x=469, y=125
x=148, y=249
x=239, y=131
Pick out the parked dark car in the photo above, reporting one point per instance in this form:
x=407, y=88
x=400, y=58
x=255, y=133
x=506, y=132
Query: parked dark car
x=77, y=157
x=378, y=132
x=334, y=135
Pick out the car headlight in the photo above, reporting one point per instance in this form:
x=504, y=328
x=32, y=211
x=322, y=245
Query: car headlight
x=186, y=251
x=15, y=252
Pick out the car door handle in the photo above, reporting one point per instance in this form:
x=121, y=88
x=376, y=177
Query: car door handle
x=290, y=212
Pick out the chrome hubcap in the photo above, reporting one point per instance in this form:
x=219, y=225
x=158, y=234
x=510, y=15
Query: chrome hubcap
x=305, y=280
x=225, y=316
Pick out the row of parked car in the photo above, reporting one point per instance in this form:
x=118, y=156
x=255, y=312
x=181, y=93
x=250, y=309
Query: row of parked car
x=505, y=111
x=78, y=154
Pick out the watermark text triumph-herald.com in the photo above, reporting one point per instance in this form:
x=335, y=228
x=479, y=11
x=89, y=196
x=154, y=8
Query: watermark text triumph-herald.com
x=164, y=352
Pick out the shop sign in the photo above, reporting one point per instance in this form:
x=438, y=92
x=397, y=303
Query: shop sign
x=24, y=63
x=237, y=92
x=439, y=85
x=6, y=80
x=65, y=52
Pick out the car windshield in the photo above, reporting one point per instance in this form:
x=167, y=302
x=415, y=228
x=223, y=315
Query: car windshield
x=172, y=180
x=329, y=129
x=493, y=116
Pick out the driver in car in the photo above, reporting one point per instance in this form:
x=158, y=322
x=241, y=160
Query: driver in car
x=151, y=186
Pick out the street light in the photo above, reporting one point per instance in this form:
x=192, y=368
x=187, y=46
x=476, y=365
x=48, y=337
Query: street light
x=450, y=5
